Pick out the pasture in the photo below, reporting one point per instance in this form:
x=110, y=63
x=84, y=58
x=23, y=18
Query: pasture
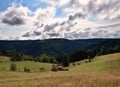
x=103, y=71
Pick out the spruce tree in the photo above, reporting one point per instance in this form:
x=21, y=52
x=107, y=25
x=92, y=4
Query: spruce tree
x=13, y=67
x=66, y=61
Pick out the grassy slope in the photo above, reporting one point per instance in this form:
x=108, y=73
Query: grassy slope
x=3, y=58
x=101, y=64
x=103, y=72
x=29, y=64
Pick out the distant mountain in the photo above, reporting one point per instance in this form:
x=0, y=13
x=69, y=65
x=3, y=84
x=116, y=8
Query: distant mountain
x=49, y=46
x=54, y=46
x=106, y=43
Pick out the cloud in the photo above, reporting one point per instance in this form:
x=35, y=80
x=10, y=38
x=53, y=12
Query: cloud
x=13, y=21
x=57, y=3
x=76, y=15
x=37, y=33
x=54, y=35
x=116, y=34
x=87, y=29
x=44, y=15
x=110, y=26
x=106, y=34
x=104, y=9
x=26, y=35
x=30, y=34
x=107, y=9
x=68, y=28
x=14, y=16
x=82, y=19
x=50, y=27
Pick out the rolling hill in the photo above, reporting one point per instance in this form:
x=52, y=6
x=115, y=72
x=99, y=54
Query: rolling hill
x=33, y=66
x=106, y=43
x=50, y=46
x=104, y=71
x=55, y=46
x=4, y=59
x=101, y=64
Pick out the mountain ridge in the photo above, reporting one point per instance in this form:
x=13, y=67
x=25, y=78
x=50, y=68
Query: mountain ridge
x=52, y=46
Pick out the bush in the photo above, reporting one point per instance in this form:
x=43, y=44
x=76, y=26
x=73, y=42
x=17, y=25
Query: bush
x=86, y=61
x=90, y=60
x=78, y=63
x=26, y=69
x=13, y=67
x=73, y=63
x=42, y=69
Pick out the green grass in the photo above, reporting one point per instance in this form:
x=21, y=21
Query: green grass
x=28, y=64
x=104, y=71
x=101, y=64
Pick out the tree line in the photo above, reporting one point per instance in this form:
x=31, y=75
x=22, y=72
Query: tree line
x=64, y=59
x=91, y=53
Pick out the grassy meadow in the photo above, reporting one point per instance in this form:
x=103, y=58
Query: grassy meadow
x=28, y=64
x=103, y=71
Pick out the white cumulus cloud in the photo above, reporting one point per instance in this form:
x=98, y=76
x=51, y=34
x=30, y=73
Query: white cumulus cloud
x=82, y=19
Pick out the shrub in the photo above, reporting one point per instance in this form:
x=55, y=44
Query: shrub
x=26, y=69
x=86, y=61
x=90, y=60
x=73, y=63
x=78, y=63
x=13, y=67
x=41, y=69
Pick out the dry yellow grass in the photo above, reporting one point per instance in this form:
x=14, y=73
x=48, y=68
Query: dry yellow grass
x=82, y=80
x=4, y=58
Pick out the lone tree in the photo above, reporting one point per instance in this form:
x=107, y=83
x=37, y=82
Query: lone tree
x=90, y=54
x=13, y=67
x=66, y=61
x=103, y=50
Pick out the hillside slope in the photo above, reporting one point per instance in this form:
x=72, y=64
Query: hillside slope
x=104, y=71
x=33, y=66
x=101, y=64
x=4, y=59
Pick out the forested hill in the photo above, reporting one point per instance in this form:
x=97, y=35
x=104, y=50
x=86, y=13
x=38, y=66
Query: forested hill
x=107, y=43
x=54, y=46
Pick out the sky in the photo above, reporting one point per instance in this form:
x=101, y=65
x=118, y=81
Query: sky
x=70, y=19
